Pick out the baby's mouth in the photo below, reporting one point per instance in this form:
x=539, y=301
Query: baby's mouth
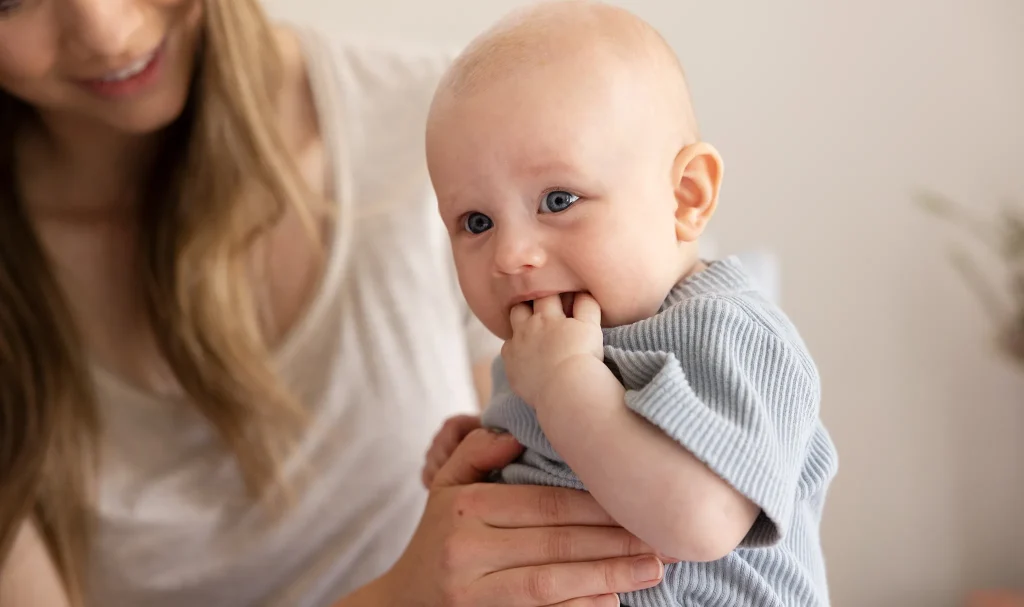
x=567, y=301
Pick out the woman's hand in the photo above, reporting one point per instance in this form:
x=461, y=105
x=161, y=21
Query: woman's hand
x=445, y=442
x=511, y=545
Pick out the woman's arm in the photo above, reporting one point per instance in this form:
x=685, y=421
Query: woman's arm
x=28, y=577
x=643, y=478
x=482, y=545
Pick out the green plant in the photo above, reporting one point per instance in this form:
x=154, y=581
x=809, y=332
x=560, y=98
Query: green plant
x=1003, y=238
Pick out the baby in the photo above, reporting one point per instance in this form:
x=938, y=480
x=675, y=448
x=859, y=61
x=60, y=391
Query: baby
x=572, y=179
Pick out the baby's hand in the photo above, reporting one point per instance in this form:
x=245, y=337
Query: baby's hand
x=445, y=441
x=545, y=343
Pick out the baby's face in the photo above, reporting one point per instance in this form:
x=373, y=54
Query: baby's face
x=558, y=192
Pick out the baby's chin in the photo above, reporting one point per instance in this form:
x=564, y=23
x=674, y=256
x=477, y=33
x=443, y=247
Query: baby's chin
x=616, y=317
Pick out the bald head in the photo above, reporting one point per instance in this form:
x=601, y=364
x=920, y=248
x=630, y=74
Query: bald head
x=572, y=41
x=564, y=155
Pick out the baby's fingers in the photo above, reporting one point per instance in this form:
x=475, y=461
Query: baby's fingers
x=586, y=309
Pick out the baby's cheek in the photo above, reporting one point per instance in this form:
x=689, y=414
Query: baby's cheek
x=499, y=323
x=491, y=313
x=626, y=298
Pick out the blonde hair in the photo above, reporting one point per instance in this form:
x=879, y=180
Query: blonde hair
x=229, y=180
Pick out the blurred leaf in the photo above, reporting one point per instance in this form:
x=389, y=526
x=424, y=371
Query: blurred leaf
x=955, y=214
x=1013, y=234
x=937, y=204
x=1004, y=235
x=987, y=296
x=1013, y=340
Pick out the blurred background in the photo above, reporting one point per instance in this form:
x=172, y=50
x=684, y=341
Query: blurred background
x=832, y=117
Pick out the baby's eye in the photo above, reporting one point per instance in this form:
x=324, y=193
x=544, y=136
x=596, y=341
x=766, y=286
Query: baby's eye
x=557, y=201
x=478, y=223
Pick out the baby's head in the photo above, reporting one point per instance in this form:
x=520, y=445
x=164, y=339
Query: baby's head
x=564, y=152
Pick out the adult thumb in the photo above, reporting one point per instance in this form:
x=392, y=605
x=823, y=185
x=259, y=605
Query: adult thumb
x=476, y=456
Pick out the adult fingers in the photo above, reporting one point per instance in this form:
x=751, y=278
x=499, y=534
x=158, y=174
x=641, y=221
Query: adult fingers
x=456, y=428
x=473, y=460
x=515, y=506
x=553, y=584
x=452, y=433
x=608, y=600
x=438, y=456
x=436, y=459
x=546, y=545
x=428, y=474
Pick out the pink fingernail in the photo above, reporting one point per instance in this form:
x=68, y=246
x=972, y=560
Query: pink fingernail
x=647, y=569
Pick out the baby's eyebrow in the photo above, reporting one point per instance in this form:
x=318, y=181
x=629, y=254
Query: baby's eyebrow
x=554, y=166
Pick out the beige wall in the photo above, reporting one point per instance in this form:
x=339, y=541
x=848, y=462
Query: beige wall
x=829, y=114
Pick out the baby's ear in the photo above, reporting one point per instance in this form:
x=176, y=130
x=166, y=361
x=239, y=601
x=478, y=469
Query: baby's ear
x=697, y=176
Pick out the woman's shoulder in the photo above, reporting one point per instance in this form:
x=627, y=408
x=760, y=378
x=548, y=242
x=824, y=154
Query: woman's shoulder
x=372, y=101
x=374, y=75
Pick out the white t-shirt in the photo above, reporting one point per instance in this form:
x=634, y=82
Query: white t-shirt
x=382, y=358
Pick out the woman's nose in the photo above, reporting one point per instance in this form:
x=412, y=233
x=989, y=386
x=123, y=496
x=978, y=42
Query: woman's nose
x=518, y=251
x=103, y=29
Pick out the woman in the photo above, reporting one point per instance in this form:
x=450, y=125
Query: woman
x=228, y=331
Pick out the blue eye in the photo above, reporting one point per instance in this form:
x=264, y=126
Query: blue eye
x=557, y=201
x=478, y=223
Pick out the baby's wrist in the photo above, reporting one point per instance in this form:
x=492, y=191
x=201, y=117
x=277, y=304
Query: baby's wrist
x=573, y=377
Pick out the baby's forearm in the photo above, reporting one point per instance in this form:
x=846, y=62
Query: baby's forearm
x=644, y=479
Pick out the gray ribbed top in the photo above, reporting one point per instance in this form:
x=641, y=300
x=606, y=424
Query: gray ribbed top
x=721, y=370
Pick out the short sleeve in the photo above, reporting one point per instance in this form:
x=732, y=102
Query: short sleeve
x=738, y=395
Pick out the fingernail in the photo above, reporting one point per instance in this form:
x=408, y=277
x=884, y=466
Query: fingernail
x=647, y=569
x=503, y=435
x=497, y=431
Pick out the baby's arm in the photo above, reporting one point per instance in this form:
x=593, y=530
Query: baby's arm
x=642, y=477
x=726, y=380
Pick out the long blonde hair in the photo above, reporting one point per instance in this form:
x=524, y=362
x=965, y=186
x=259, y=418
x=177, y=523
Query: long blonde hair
x=200, y=218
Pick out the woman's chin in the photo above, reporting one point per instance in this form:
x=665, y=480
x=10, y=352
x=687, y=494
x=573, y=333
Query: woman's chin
x=148, y=118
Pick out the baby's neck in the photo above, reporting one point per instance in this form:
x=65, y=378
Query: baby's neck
x=691, y=265
x=698, y=265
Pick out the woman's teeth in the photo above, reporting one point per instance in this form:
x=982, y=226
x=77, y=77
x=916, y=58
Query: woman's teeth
x=132, y=70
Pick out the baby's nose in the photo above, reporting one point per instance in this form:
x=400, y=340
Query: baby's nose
x=516, y=254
